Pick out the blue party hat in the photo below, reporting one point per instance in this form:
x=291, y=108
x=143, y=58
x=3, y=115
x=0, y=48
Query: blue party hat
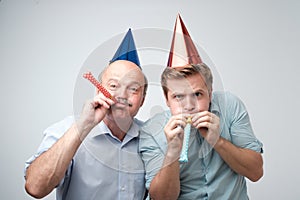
x=127, y=50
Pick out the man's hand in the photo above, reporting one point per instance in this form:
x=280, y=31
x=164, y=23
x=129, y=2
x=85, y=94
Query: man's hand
x=166, y=183
x=93, y=112
x=208, y=125
x=174, y=131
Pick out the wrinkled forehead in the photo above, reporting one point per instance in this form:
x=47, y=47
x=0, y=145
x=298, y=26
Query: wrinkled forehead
x=124, y=74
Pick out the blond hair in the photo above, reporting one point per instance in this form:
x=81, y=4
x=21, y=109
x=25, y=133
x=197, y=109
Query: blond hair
x=186, y=71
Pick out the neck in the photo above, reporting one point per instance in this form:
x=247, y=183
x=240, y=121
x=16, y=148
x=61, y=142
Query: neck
x=118, y=127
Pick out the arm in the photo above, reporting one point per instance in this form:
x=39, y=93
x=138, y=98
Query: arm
x=245, y=162
x=46, y=171
x=166, y=184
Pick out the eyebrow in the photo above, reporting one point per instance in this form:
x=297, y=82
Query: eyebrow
x=132, y=82
x=129, y=83
x=184, y=93
x=177, y=93
x=199, y=90
x=135, y=82
x=112, y=79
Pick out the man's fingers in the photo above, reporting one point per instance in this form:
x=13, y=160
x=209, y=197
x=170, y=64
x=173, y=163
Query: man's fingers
x=204, y=125
x=102, y=101
x=205, y=118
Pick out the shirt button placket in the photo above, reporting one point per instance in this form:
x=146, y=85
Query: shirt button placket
x=123, y=188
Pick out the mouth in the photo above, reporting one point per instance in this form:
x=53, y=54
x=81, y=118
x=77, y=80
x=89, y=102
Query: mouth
x=123, y=102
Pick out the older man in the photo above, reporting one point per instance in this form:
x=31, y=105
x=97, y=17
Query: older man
x=96, y=156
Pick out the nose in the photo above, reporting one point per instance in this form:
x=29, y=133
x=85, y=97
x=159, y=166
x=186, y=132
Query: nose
x=121, y=92
x=190, y=103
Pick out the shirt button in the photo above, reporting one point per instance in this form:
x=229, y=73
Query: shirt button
x=123, y=188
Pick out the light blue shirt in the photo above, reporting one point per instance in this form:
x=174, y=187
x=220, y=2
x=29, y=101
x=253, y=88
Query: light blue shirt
x=205, y=175
x=103, y=167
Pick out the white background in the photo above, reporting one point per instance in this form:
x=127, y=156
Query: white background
x=254, y=46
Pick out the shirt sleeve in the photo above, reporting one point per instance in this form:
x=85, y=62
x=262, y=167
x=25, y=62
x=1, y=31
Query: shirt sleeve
x=152, y=157
x=51, y=135
x=152, y=147
x=240, y=127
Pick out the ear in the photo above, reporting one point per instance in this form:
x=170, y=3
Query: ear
x=167, y=100
x=143, y=100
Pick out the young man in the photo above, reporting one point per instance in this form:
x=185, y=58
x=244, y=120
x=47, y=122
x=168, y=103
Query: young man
x=222, y=148
x=96, y=156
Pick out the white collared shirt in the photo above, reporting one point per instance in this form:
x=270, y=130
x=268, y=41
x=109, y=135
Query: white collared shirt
x=103, y=167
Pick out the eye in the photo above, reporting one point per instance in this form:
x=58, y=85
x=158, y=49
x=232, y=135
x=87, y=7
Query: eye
x=178, y=96
x=112, y=86
x=134, y=88
x=198, y=94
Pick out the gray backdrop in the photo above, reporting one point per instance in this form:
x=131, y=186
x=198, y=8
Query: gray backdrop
x=253, y=47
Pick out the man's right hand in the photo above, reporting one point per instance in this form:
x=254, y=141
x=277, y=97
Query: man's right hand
x=93, y=112
x=174, y=131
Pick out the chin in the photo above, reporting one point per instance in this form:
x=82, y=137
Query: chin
x=120, y=114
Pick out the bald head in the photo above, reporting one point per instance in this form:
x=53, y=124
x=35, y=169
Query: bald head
x=124, y=69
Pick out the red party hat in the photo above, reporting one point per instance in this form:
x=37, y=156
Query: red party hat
x=183, y=51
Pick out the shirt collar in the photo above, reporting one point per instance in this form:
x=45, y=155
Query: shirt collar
x=102, y=129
